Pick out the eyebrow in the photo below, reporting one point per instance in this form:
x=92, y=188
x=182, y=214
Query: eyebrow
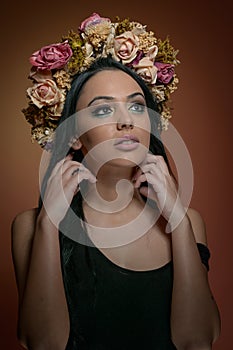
x=111, y=98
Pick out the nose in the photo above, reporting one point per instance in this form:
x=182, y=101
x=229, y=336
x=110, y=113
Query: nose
x=127, y=125
x=124, y=120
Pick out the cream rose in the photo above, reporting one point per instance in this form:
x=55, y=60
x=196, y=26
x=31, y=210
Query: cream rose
x=56, y=110
x=39, y=75
x=146, y=69
x=152, y=52
x=45, y=93
x=126, y=47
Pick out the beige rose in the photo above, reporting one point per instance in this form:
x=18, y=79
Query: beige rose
x=39, y=75
x=45, y=93
x=139, y=28
x=56, y=110
x=152, y=53
x=108, y=46
x=88, y=49
x=146, y=69
x=126, y=47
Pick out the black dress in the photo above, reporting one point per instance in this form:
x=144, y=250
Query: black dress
x=113, y=308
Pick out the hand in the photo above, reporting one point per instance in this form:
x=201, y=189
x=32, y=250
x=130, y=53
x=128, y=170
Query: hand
x=62, y=185
x=161, y=189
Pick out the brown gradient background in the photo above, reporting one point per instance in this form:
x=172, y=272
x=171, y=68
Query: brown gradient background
x=202, y=30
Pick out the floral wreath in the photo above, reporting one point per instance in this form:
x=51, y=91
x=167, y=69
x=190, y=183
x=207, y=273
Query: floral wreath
x=54, y=66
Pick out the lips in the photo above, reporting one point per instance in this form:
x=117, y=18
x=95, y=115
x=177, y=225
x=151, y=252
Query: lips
x=126, y=140
x=127, y=143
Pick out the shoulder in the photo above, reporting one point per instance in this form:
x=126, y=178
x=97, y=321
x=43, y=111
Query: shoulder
x=22, y=233
x=198, y=225
x=23, y=224
x=25, y=217
x=22, y=229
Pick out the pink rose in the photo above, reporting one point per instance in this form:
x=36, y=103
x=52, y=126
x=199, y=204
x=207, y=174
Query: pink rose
x=165, y=72
x=146, y=69
x=53, y=56
x=93, y=20
x=126, y=47
x=45, y=93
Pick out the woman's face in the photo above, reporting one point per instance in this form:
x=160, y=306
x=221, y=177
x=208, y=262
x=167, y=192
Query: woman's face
x=112, y=119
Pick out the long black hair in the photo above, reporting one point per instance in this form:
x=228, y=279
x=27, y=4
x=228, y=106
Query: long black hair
x=64, y=135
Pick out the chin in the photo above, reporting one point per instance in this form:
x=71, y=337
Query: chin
x=128, y=160
x=120, y=162
x=116, y=158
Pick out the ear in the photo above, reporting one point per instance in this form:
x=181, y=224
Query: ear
x=75, y=143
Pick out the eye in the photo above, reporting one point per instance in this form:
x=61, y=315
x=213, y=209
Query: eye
x=102, y=111
x=137, y=108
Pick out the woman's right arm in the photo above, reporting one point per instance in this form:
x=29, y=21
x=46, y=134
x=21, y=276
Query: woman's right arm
x=43, y=321
x=42, y=317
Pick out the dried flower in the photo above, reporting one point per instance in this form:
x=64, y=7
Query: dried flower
x=54, y=66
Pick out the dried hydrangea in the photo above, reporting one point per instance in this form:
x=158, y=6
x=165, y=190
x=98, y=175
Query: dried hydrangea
x=63, y=79
x=147, y=40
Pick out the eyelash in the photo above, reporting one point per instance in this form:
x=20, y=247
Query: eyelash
x=100, y=111
x=140, y=107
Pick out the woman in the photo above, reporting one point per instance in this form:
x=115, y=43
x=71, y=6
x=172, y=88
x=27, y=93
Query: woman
x=81, y=284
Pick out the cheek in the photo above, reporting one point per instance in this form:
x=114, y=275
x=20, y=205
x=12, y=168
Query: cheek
x=144, y=124
x=94, y=137
x=144, y=133
x=146, y=136
x=88, y=140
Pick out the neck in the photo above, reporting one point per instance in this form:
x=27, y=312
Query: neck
x=113, y=190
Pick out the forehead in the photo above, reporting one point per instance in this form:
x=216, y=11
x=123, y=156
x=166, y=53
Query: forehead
x=113, y=83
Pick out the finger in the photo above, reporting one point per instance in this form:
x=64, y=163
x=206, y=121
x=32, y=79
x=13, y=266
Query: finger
x=149, y=164
x=78, y=171
x=60, y=164
x=151, y=179
x=147, y=192
x=68, y=164
x=137, y=173
x=86, y=175
x=151, y=168
x=159, y=160
x=154, y=170
x=139, y=180
x=74, y=176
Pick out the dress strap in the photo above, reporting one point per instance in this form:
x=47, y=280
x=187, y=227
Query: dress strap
x=204, y=254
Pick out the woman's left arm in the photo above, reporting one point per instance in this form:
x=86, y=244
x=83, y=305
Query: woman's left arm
x=195, y=319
